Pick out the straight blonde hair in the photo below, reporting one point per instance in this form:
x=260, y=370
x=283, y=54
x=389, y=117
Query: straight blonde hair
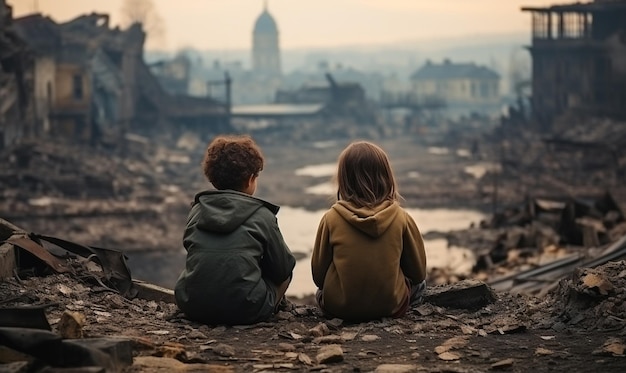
x=364, y=175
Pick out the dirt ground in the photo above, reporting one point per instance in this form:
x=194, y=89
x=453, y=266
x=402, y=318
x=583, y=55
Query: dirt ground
x=514, y=333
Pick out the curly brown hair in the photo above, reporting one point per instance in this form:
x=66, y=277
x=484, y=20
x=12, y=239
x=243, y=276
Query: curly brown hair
x=230, y=161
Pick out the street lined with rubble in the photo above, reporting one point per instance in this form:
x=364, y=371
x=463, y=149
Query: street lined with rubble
x=464, y=325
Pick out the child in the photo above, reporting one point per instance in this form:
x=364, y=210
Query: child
x=368, y=260
x=238, y=266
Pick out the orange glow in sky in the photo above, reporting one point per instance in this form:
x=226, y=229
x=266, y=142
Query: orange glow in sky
x=227, y=24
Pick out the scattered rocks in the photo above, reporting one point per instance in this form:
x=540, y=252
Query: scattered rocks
x=395, y=368
x=503, y=364
x=71, y=325
x=329, y=354
x=612, y=347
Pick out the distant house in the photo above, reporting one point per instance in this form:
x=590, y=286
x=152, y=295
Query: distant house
x=579, y=59
x=465, y=87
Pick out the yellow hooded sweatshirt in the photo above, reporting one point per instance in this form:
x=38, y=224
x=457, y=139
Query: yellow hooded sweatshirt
x=361, y=258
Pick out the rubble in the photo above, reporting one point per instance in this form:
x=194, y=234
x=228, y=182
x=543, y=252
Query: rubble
x=16, y=82
x=91, y=319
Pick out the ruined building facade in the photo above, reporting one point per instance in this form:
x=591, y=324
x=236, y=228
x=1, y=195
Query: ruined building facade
x=90, y=80
x=579, y=59
x=266, y=46
x=16, y=82
x=464, y=87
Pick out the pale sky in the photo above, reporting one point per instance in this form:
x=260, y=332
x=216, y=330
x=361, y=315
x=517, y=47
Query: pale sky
x=227, y=24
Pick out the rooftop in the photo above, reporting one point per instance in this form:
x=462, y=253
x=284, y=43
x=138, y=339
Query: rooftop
x=265, y=24
x=596, y=6
x=451, y=70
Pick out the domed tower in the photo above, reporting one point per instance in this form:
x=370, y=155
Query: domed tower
x=265, y=46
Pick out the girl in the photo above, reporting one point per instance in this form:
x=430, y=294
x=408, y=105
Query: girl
x=368, y=260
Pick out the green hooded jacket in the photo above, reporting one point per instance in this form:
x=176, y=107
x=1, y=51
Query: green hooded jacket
x=236, y=257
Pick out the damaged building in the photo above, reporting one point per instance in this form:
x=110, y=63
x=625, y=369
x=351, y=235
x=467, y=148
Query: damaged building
x=16, y=87
x=579, y=59
x=465, y=87
x=90, y=80
x=339, y=99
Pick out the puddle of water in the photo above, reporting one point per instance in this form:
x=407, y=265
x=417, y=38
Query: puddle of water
x=438, y=151
x=480, y=169
x=319, y=170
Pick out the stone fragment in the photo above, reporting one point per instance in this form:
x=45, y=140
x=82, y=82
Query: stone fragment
x=286, y=347
x=64, y=289
x=142, y=343
x=543, y=351
x=503, y=364
x=449, y=356
x=172, y=350
x=395, y=368
x=370, y=338
x=425, y=309
x=466, y=294
x=348, y=336
x=302, y=311
x=305, y=359
x=71, y=325
x=115, y=301
x=158, y=332
x=283, y=315
x=328, y=339
x=319, y=330
x=291, y=355
x=612, y=347
x=224, y=350
x=329, y=354
x=154, y=364
x=196, y=334
x=597, y=282
x=455, y=342
x=334, y=323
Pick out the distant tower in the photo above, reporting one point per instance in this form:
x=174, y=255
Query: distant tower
x=265, y=46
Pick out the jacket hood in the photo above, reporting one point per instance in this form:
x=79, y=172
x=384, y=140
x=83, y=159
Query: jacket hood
x=223, y=211
x=371, y=221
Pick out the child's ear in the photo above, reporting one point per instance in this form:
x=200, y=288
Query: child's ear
x=251, y=179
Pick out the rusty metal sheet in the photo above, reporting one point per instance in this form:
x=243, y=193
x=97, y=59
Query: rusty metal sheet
x=113, y=262
x=40, y=252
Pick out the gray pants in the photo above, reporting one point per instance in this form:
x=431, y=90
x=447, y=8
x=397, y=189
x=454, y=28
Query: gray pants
x=417, y=293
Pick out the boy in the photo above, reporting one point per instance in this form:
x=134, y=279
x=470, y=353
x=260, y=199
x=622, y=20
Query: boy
x=238, y=266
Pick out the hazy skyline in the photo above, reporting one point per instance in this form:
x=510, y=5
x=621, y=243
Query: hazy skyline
x=227, y=24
